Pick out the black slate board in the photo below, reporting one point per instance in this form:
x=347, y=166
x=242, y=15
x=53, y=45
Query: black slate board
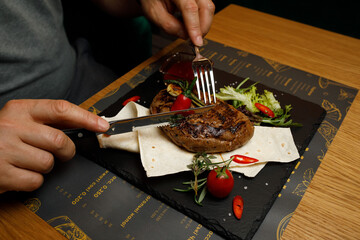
x=259, y=193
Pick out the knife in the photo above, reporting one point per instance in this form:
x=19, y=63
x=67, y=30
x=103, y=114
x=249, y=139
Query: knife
x=134, y=124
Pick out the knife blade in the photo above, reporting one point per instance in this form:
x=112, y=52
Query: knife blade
x=135, y=124
x=153, y=120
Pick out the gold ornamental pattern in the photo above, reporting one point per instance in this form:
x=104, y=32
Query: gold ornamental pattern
x=278, y=67
x=328, y=132
x=282, y=225
x=66, y=227
x=333, y=112
x=33, y=204
x=301, y=187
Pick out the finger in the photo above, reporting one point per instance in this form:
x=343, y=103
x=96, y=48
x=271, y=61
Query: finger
x=18, y=153
x=173, y=26
x=50, y=140
x=27, y=157
x=161, y=13
x=67, y=114
x=206, y=13
x=191, y=18
x=17, y=179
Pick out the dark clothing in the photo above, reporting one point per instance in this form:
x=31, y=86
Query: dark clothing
x=37, y=60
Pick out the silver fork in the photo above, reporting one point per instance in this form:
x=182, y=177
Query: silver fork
x=203, y=71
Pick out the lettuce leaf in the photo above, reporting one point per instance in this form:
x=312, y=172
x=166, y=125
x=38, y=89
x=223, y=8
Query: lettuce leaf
x=247, y=97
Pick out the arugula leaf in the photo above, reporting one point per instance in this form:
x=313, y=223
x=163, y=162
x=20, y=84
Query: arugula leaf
x=283, y=120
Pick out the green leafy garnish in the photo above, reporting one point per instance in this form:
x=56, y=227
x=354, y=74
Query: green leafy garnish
x=246, y=98
x=283, y=120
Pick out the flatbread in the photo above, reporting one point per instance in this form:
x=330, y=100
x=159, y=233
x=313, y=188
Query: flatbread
x=126, y=141
x=160, y=156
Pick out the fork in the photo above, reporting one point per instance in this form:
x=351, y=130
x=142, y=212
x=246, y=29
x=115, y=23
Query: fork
x=203, y=71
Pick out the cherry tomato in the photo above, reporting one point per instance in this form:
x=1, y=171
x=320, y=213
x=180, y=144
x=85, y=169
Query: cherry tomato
x=244, y=159
x=238, y=206
x=220, y=182
x=182, y=102
x=131, y=99
x=264, y=109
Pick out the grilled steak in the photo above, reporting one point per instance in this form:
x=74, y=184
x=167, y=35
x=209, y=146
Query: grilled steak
x=221, y=129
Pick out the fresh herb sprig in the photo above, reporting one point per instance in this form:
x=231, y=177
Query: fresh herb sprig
x=201, y=162
x=185, y=87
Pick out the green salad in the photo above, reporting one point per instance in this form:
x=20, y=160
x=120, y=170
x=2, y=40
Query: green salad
x=260, y=108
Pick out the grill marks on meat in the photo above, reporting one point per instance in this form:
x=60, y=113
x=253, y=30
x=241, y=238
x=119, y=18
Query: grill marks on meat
x=221, y=129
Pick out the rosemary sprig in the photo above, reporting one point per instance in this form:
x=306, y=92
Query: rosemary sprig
x=201, y=162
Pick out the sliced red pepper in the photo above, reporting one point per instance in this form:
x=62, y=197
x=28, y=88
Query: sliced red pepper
x=131, y=99
x=238, y=206
x=264, y=109
x=244, y=159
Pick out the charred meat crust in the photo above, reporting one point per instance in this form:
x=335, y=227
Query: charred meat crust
x=221, y=129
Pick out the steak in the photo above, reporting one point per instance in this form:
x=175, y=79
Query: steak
x=221, y=129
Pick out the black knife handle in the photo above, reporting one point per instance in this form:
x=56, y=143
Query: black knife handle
x=78, y=133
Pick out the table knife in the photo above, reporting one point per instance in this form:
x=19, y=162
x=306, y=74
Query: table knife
x=134, y=124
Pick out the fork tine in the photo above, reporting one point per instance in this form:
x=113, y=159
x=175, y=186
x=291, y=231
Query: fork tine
x=201, y=71
x=205, y=83
x=206, y=73
x=212, y=83
x=197, y=81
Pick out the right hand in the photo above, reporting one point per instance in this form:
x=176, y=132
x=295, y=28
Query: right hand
x=197, y=16
x=29, y=140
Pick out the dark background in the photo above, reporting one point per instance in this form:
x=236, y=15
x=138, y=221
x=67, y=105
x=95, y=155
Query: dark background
x=338, y=16
x=121, y=44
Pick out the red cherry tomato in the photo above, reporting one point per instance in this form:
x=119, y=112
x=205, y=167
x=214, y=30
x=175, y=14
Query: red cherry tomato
x=182, y=102
x=264, y=109
x=220, y=182
x=131, y=99
x=238, y=206
x=244, y=159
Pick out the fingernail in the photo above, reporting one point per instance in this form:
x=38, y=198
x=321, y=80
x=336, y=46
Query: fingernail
x=103, y=124
x=199, y=41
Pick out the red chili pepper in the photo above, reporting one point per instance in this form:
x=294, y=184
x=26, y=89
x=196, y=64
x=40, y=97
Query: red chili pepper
x=264, y=109
x=244, y=159
x=238, y=206
x=131, y=99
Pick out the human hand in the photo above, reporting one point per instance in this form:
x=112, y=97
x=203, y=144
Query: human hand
x=197, y=17
x=29, y=142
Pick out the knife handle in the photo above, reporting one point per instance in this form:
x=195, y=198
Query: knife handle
x=76, y=134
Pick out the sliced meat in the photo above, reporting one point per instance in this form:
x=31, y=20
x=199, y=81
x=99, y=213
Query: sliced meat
x=221, y=129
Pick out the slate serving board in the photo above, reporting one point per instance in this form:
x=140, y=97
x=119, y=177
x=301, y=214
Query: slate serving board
x=259, y=193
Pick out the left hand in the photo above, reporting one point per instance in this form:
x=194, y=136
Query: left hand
x=29, y=143
x=196, y=15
